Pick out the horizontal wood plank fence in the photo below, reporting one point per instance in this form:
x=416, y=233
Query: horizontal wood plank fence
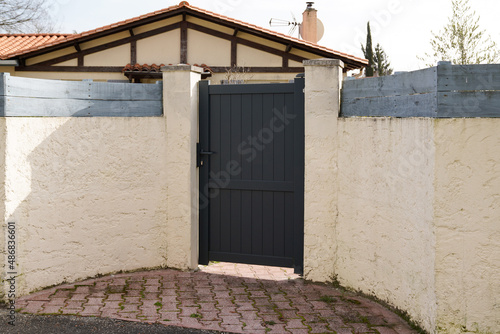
x=39, y=97
x=444, y=91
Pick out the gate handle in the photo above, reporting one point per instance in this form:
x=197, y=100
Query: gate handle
x=206, y=152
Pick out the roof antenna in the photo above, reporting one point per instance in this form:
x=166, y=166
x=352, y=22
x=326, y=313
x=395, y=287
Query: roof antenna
x=284, y=23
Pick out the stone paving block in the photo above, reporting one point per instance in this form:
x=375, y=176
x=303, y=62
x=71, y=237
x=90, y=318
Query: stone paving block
x=343, y=330
x=41, y=296
x=109, y=313
x=60, y=293
x=150, y=312
x=114, y=296
x=289, y=314
x=135, y=286
x=186, y=294
x=150, y=295
x=294, y=323
x=78, y=297
x=361, y=328
x=299, y=331
x=278, y=329
x=262, y=302
x=192, y=302
x=168, y=285
x=70, y=311
x=241, y=298
x=278, y=297
x=385, y=330
x=91, y=310
x=208, y=307
x=319, y=328
x=129, y=308
x=256, y=324
x=169, y=307
x=244, y=306
x=211, y=325
x=191, y=323
x=168, y=292
x=82, y=289
x=151, y=288
x=204, y=291
x=187, y=311
x=265, y=309
x=230, y=319
x=227, y=310
x=271, y=318
x=319, y=305
x=119, y=281
x=241, y=303
x=51, y=309
x=232, y=328
x=132, y=299
x=56, y=301
x=209, y=315
x=168, y=316
x=248, y=314
x=225, y=302
x=108, y=304
x=284, y=306
x=74, y=304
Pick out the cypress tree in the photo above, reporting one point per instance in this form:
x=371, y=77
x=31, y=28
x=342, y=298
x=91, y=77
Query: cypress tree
x=368, y=51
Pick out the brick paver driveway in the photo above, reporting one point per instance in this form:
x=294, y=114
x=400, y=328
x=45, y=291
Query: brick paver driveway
x=224, y=297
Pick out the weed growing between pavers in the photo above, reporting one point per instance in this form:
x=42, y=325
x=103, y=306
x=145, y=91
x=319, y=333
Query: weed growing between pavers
x=196, y=315
x=327, y=299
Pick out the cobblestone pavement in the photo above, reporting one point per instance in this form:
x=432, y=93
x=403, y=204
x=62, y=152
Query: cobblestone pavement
x=223, y=297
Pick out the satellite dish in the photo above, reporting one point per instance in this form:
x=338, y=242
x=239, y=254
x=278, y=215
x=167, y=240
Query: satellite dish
x=319, y=27
x=321, y=30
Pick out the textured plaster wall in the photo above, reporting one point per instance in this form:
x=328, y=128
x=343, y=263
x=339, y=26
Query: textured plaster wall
x=467, y=218
x=180, y=96
x=3, y=228
x=384, y=240
x=322, y=96
x=87, y=195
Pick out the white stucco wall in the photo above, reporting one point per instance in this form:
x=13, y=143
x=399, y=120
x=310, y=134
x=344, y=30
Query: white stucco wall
x=87, y=196
x=385, y=238
x=467, y=218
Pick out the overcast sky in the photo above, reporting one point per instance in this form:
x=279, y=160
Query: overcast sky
x=402, y=27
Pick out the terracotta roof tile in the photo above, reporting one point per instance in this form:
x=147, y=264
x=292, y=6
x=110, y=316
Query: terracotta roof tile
x=14, y=43
x=19, y=51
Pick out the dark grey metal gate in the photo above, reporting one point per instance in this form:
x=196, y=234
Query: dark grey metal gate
x=251, y=159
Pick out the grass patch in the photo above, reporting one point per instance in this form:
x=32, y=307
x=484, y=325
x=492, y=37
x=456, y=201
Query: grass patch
x=159, y=304
x=327, y=299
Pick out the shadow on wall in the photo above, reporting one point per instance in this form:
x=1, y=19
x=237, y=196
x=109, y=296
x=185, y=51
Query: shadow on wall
x=86, y=196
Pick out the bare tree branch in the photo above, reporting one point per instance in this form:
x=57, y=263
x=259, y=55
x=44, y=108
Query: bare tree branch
x=25, y=16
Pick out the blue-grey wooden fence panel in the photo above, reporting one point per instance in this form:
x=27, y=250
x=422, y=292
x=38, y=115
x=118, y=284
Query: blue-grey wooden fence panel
x=40, y=97
x=444, y=91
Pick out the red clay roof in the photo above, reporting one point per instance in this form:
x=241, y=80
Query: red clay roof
x=182, y=4
x=15, y=43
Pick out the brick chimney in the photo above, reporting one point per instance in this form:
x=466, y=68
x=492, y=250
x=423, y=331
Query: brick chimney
x=309, y=28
